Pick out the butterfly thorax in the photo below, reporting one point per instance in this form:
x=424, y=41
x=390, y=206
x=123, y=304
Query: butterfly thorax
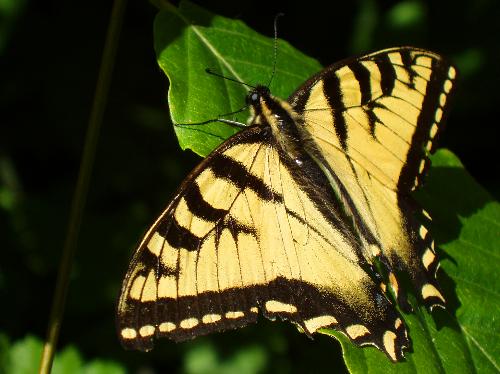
x=280, y=117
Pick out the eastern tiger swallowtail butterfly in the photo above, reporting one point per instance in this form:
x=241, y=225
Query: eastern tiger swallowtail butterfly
x=290, y=216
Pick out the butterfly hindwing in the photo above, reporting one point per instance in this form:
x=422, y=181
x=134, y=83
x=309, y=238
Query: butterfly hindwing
x=374, y=120
x=247, y=232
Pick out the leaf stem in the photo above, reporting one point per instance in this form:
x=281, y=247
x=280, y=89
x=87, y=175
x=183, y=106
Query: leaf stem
x=81, y=189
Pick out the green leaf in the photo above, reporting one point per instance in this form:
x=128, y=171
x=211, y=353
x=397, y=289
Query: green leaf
x=189, y=40
x=23, y=357
x=463, y=338
x=68, y=361
x=103, y=367
x=406, y=14
x=4, y=351
x=204, y=359
x=466, y=227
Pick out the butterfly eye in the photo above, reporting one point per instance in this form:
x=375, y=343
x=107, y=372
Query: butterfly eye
x=253, y=98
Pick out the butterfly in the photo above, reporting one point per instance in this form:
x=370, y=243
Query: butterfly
x=305, y=215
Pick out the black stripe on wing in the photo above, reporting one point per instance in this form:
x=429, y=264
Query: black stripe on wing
x=408, y=63
x=387, y=73
x=362, y=75
x=235, y=172
x=333, y=93
x=201, y=208
x=417, y=162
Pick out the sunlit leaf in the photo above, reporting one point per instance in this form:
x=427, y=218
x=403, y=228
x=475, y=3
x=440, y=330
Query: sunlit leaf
x=190, y=39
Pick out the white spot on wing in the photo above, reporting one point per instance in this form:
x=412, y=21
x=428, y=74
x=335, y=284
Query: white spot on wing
x=389, y=344
x=434, y=130
x=447, y=86
x=452, y=73
x=211, y=318
x=421, y=167
x=235, y=314
x=428, y=290
x=274, y=306
x=428, y=258
x=166, y=327
x=316, y=323
x=423, y=231
x=189, y=323
x=439, y=114
x=426, y=214
x=442, y=99
x=129, y=333
x=356, y=331
x=146, y=330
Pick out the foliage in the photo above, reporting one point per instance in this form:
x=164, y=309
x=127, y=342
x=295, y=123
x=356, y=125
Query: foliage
x=22, y=357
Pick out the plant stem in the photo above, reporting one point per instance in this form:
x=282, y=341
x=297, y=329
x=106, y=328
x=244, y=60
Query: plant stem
x=81, y=189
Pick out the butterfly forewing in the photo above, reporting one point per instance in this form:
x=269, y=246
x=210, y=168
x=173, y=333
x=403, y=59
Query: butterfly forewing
x=374, y=120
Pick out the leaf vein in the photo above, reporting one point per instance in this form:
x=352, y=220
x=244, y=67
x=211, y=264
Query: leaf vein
x=483, y=351
x=479, y=248
x=475, y=284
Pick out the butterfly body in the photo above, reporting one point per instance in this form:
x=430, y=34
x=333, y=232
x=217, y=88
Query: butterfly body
x=290, y=215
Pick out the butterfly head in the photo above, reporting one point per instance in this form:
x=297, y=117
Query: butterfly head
x=278, y=116
x=254, y=97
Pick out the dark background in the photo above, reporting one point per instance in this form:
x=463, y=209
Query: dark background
x=49, y=58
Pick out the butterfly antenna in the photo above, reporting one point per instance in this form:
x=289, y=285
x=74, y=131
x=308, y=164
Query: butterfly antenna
x=275, y=46
x=219, y=118
x=211, y=72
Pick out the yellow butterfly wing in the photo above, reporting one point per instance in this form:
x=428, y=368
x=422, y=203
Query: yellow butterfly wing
x=248, y=231
x=374, y=119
